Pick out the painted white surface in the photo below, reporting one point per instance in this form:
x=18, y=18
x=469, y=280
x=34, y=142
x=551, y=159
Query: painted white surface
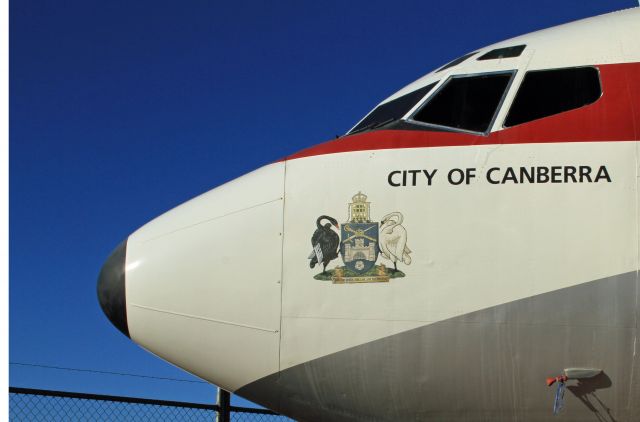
x=203, y=281
x=474, y=246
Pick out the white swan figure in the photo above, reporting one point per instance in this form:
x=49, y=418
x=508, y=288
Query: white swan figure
x=393, y=239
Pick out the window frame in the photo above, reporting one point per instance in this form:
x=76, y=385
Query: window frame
x=426, y=95
x=445, y=82
x=515, y=95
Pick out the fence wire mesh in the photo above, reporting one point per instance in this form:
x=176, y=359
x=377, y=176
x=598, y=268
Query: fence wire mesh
x=53, y=406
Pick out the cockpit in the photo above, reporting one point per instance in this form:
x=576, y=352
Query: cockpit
x=482, y=92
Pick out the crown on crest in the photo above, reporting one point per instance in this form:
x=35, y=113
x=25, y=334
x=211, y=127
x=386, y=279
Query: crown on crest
x=359, y=209
x=359, y=197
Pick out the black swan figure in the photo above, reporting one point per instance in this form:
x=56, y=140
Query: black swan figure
x=327, y=240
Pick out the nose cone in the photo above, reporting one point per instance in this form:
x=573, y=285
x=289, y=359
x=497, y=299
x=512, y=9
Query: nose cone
x=111, y=289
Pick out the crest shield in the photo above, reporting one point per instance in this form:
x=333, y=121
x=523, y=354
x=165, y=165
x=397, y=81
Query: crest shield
x=359, y=246
x=360, y=243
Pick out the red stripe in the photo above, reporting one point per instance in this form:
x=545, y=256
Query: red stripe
x=614, y=117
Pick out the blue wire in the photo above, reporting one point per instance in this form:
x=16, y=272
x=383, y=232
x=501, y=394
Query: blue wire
x=559, y=402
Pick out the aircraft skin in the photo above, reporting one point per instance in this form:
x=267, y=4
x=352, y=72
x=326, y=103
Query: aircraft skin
x=504, y=276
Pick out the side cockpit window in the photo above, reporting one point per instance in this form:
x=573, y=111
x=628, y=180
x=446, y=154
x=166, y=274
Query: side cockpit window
x=392, y=110
x=455, y=62
x=467, y=103
x=544, y=93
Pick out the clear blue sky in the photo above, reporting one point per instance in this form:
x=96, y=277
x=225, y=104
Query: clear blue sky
x=121, y=110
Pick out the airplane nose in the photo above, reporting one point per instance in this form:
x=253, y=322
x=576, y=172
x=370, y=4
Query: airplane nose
x=111, y=288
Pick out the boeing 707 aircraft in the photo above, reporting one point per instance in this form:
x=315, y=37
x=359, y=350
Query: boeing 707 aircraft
x=473, y=235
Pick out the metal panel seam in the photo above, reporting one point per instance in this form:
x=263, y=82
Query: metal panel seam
x=284, y=202
x=212, y=219
x=219, y=321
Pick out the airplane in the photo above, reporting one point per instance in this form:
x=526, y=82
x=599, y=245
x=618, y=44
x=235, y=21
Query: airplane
x=474, y=234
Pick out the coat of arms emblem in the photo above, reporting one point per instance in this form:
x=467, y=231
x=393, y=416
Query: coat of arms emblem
x=359, y=244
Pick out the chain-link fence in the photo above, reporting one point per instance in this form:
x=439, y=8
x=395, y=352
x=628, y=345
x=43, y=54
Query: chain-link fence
x=45, y=405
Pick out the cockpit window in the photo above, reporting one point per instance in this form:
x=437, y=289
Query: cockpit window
x=547, y=92
x=456, y=62
x=392, y=110
x=503, y=53
x=468, y=103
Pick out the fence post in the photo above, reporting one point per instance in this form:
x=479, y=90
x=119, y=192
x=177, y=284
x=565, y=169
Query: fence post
x=224, y=403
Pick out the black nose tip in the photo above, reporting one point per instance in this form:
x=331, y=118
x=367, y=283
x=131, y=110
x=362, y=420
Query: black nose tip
x=111, y=290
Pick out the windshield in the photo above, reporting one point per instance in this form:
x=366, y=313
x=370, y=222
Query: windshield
x=392, y=110
x=466, y=102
